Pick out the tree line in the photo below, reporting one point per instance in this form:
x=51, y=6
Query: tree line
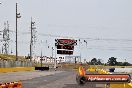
x=112, y=61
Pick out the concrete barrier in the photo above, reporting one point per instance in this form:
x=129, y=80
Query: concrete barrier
x=42, y=68
x=16, y=69
x=123, y=85
x=12, y=63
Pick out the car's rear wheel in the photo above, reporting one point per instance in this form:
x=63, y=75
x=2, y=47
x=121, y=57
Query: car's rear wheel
x=81, y=80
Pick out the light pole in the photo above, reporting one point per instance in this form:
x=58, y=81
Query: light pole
x=80, y=50
x=55, y=58
x=41, y=59
x=85, y=42
x=125, y=63
x=17, y=16
x=52, y=53
x=32, y=36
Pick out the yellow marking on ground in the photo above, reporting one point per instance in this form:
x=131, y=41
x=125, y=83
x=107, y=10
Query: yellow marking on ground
x=16, y=69
x=125, y=85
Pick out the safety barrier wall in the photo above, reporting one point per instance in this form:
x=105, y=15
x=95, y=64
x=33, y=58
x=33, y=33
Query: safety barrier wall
x=16, y=69
x=91, y=69
x=102, y=71
x=125, y=85
x=13, y=63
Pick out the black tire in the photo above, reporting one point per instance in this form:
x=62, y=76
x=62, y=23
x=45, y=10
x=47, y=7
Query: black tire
x=81, y=80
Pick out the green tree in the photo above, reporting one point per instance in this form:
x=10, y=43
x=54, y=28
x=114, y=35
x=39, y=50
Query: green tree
x=120, y=64
x=99, y=62
x=126, y=64
x=94, y=61
x=112, y=61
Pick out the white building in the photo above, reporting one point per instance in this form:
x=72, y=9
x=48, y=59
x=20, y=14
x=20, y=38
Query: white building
x=49, y=60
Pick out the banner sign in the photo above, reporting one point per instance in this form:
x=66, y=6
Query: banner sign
x=64, y=52
x=71, y=42
x=66, y=47
x=108, y=78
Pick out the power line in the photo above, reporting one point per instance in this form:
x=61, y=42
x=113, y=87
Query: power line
x=83, y=38
x=110, y=49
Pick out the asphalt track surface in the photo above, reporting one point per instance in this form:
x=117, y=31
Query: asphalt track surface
x=65, y=79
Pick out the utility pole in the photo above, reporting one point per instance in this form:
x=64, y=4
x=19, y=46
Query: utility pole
x=55, y=58
x=6, y=38
x=33, y=38
x=17, y=16
x=11, y=51
x=80, y=50
x=52, y=54
x=31, y=42
x=52, y=51
x=41, y=59
x=2, y=49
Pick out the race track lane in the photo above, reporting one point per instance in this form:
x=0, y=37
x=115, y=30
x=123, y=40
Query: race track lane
x=65, y=79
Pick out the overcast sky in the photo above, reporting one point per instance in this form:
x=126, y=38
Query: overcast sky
x=100, y=20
